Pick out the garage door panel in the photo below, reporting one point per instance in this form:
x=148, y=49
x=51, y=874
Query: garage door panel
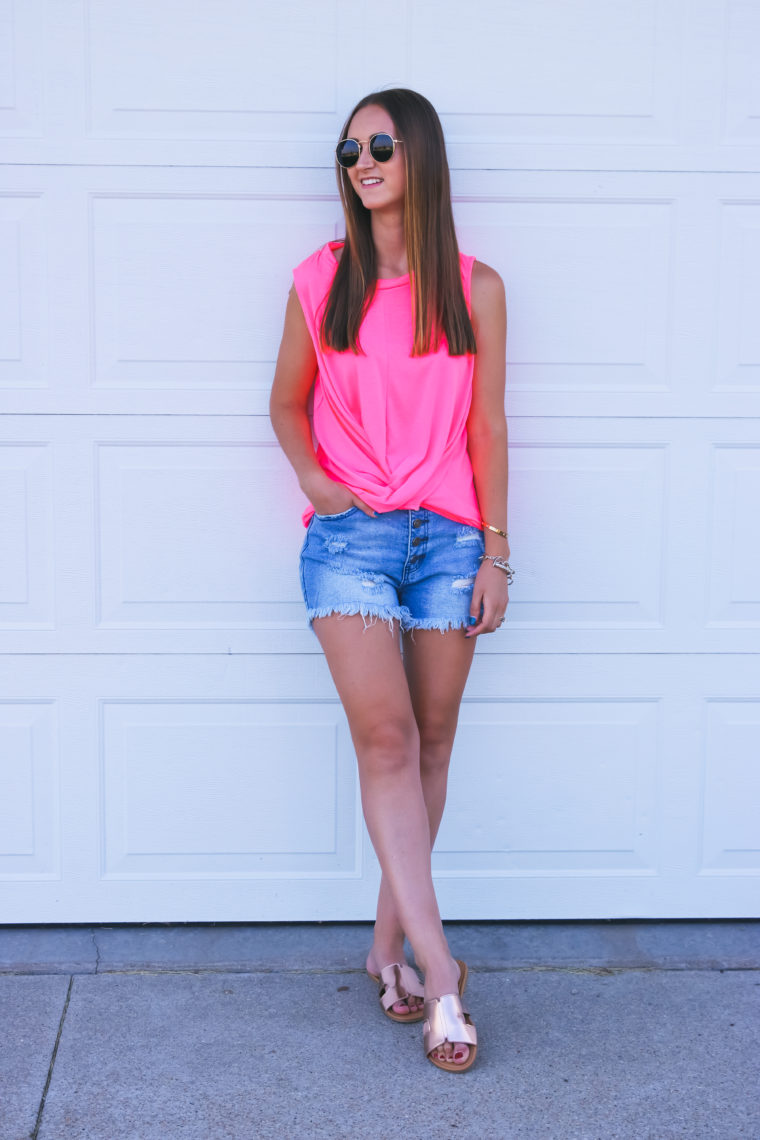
x=29, y=791
x=741, y=46
x=171, y=548
x=206, y=788
x=23, y=314
x=516, y=767
x=730, y=833
x=738, y=349
x=629, y=89
x=182, y=286
x=21, y=69
x=213, y=80
x=734, y=566
x=606, y=506
x=580, y=319
x=27, y=546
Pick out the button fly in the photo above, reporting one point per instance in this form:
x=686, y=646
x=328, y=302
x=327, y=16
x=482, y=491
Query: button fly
x=416, y=541
x=416, y=523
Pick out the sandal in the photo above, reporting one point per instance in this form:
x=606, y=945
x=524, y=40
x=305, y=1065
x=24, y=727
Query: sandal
x=389, y=988
x=392, y=979
x=448, y=1022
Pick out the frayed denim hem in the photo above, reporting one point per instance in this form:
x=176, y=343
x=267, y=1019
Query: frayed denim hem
x=443, y=625
x=387, y=614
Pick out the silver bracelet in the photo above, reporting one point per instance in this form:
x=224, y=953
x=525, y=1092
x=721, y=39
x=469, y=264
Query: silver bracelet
x=502, y=565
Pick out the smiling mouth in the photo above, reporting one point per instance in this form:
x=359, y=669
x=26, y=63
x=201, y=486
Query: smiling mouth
x=371, y=181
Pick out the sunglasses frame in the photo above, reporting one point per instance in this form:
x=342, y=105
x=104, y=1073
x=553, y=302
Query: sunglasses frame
x=370, y=141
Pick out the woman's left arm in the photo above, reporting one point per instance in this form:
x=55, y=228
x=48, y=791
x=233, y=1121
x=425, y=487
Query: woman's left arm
x=487, y=442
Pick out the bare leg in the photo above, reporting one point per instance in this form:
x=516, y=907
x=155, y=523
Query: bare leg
x=437, y=666
x=369, y=675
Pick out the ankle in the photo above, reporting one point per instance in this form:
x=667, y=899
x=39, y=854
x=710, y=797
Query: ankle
x=388, y=940
x=386, y=952
x=439, y=964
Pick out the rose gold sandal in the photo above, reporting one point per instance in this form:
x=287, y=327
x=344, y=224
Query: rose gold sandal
x=448, y=1022
x=392, y=979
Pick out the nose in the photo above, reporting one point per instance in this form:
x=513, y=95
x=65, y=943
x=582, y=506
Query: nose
x=366, y=161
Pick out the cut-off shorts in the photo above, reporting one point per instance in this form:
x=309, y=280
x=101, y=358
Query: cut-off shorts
x=414, y=566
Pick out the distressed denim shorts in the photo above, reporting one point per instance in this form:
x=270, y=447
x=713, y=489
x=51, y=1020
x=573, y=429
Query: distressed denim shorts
x=416, y=566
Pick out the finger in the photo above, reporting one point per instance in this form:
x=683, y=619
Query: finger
x=476, y=604
x=476, y=630
x=364, y=507
x=488, y=623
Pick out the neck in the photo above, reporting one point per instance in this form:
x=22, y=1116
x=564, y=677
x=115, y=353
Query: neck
x=390, y=243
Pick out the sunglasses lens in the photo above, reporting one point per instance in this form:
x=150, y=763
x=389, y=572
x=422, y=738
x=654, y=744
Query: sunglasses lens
x=347, y=152
x=381, y=148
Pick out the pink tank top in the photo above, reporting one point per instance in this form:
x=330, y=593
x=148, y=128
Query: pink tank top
x=390, y=426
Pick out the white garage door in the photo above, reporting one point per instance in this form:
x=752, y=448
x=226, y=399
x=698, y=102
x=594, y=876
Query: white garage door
x=172, y=748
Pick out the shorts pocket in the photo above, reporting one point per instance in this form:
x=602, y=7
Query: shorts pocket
x=340, y=515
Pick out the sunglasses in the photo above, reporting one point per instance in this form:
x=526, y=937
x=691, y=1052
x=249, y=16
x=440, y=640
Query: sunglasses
x=381, y=147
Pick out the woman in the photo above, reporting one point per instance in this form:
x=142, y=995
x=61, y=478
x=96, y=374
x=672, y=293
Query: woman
x=406, y=528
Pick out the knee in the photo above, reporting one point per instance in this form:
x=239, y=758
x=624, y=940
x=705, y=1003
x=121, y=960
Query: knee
x=389, y=747
x=436, y=743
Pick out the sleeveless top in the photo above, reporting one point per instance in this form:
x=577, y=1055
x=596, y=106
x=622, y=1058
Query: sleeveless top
x=390, y=426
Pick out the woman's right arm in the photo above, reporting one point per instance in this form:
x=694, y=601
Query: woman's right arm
x=293, y=378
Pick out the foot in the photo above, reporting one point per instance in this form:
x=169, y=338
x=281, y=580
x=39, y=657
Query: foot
x=445, y=980
x=376, y=962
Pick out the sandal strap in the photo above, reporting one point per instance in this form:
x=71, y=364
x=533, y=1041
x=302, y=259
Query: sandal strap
x=396, y=977
x=447, y=1020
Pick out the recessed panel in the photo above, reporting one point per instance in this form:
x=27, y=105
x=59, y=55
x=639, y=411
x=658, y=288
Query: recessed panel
x=552, y=786
x=23, y=285
x=592, y=548
x=734, y=556
x=196, y=535
x=210, y=71
x=26, y=550
x=21, y=72
x=741, y=96
x=205, y=788
x=731, y=794
x=738, y=361
x=29, y=804
x=190, y=292
x=606, y=72
x=579, y=315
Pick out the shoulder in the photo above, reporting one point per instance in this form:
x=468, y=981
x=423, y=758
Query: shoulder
x=488, y=294
x=322, y=261
x=312, y=261
x=486, y=280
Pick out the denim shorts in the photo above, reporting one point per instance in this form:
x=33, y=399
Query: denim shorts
x=415, y=566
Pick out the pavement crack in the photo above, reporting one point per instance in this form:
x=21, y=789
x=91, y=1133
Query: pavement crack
x=97, y=951
x=35, y=1132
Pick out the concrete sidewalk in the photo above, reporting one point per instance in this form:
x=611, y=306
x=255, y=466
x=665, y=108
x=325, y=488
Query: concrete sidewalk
x=588, y=1031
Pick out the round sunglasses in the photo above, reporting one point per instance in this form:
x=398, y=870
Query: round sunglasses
x=381, y=146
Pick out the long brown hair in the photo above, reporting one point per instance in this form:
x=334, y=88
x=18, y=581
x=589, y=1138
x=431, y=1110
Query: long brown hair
x=432, y=252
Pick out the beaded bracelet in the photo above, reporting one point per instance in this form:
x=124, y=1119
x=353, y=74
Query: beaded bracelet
x=502, y=565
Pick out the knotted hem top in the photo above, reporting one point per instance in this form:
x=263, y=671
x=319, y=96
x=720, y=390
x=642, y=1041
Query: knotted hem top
x=389, y=425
